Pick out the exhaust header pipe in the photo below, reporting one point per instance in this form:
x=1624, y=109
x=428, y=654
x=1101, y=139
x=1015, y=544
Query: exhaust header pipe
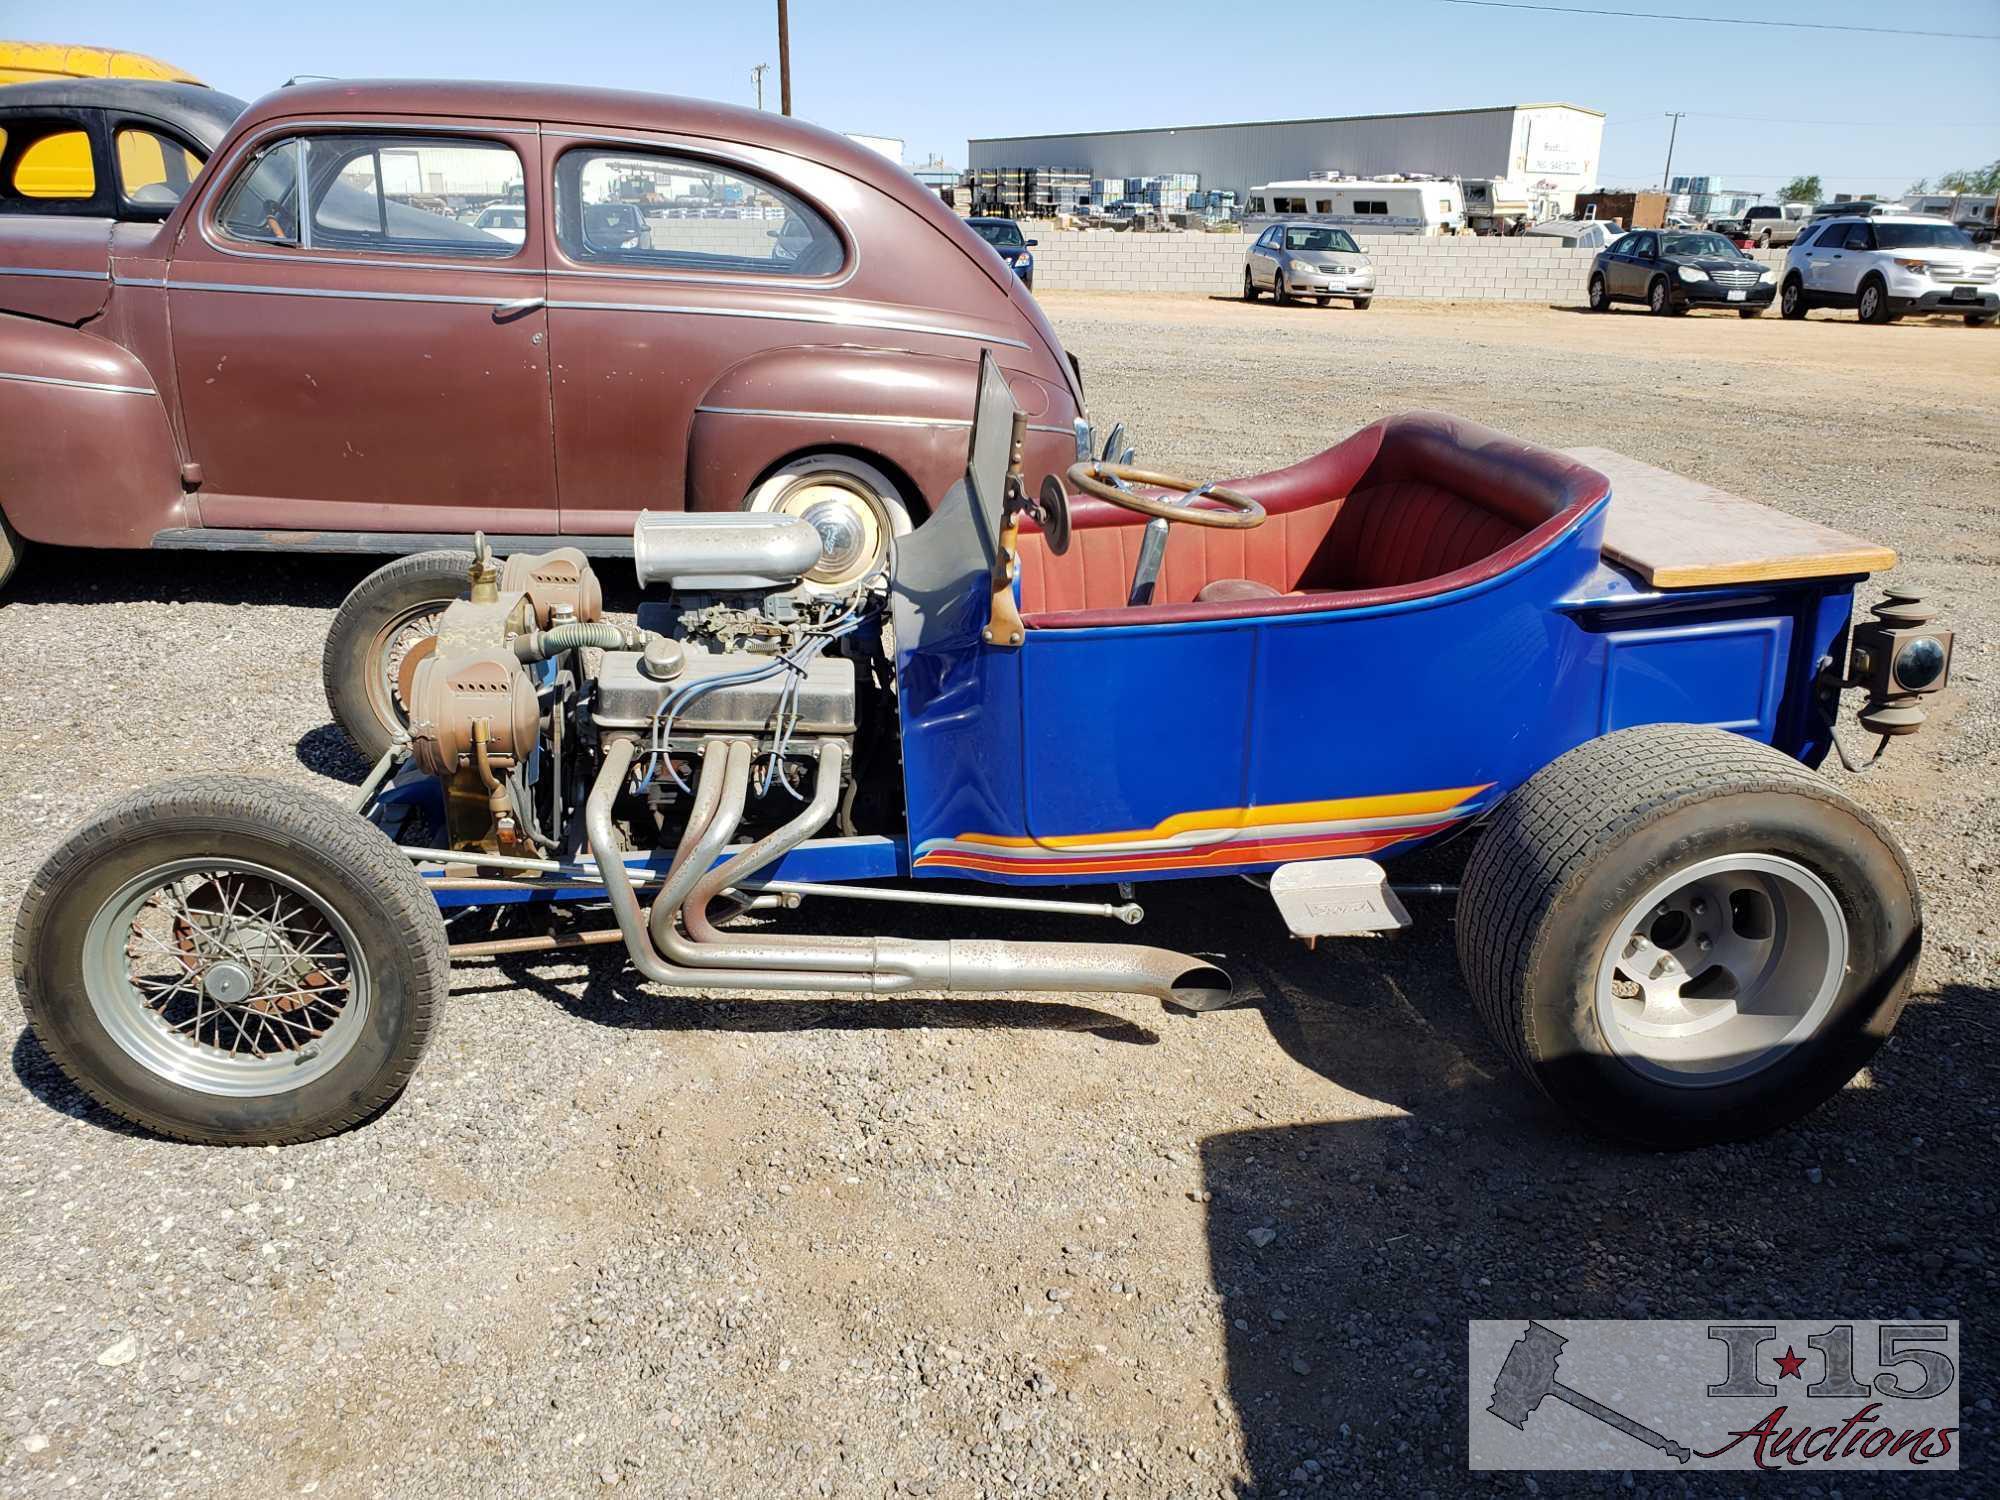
x=711, y=959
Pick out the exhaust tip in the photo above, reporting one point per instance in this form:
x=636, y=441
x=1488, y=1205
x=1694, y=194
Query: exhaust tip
x=1202, y=987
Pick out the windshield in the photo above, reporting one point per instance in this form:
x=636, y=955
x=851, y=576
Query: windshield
x=1320, y=239
x=1004, y=233
x=1922, y=237
x=1699, y=244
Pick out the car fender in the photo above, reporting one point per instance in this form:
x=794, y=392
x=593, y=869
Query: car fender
x=912, y=411
x=90, y=458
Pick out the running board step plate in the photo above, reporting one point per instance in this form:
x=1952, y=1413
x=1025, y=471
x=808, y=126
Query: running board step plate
x=1336, y=898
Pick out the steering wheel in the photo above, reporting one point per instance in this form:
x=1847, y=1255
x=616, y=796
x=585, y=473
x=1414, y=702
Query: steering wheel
x=1108, y=481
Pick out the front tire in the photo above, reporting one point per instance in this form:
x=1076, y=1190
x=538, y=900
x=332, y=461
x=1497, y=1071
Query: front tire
x=232, y=961
x=1362, y=304
x=1749, y=312
x=1278, y=293
x=1873, y=304
x=1792, y=299
x=383, y=628
x=1682, y=936
x=1659, y=300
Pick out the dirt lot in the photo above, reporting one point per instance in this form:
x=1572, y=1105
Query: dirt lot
x=801, y=1247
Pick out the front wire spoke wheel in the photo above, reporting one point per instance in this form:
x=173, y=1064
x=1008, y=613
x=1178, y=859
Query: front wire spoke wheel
x=226, y=977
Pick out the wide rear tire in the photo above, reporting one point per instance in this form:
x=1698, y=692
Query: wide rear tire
x=389, y=619
x=233, y=961
x=1792, y=300
x=1249, y=286
x=1682, y=936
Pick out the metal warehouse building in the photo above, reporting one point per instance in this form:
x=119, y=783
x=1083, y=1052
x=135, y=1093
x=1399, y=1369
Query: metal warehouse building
x=1551, y=148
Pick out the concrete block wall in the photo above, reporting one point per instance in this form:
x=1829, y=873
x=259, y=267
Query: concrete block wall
x=1527, y=269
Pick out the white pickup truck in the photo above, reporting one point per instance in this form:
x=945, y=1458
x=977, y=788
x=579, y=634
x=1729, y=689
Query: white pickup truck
x=1767, y=224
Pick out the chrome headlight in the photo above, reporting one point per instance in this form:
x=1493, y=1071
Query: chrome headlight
x=1693, y=273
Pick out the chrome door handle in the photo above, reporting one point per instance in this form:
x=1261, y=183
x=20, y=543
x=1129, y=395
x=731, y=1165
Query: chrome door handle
x=519, y=305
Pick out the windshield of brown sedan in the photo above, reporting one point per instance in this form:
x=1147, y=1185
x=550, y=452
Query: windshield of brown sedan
x=379, y=192
x=680, y=213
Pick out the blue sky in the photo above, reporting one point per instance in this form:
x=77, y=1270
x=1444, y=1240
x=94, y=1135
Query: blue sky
x=1866, y=113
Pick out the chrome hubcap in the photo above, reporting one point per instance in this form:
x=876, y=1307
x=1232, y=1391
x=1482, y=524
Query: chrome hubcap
x=226, y=977
x=854, y=525
x=1720, y=968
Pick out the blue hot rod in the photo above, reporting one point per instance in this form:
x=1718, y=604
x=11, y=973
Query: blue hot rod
x=1609, y=685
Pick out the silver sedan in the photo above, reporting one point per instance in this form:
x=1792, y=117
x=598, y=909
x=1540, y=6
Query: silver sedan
x=1308, y=260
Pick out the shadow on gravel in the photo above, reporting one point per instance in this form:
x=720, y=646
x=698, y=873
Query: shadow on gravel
x=40, y=1076
x=614, y=996
x=1346, y=1328
x=328, y=752
x=71, y=575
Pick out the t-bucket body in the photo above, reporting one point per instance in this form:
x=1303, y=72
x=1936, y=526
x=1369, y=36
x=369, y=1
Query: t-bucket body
x=1437, y=622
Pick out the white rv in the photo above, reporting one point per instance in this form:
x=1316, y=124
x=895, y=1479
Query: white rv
x=1391, y=205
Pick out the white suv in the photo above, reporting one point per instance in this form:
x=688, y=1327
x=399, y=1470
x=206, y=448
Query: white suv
x=1886, y=267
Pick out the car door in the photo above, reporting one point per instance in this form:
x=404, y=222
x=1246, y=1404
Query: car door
x=1827, y=260
x=1640, y=261
x=1263, y=260
x=1851, y=261
x=732, y=264
x=349, y=358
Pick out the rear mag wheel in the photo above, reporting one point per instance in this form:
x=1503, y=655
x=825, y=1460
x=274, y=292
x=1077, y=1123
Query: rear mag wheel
x=1600, y=294
x=1792, y=298
x=1683, y=936
x=1249, y=286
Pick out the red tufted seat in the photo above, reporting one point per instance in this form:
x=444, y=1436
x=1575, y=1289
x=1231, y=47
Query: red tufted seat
x=1415, y=504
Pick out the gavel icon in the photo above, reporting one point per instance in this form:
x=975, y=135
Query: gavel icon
x=1529, y=1374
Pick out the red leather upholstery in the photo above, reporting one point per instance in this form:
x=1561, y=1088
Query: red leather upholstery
x=1416, y=504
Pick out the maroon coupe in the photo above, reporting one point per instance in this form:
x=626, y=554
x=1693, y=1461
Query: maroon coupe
x=389, y=313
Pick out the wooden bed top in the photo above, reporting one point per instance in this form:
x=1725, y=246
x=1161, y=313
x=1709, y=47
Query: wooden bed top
x=1677, y=533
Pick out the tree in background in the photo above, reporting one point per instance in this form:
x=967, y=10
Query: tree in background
x=1801, y=190
x=1984, y=179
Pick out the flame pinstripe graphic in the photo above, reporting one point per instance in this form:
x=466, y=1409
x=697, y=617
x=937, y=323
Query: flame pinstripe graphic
x=1217, y=837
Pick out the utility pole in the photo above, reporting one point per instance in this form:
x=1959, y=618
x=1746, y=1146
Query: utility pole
x=1665, y=177
x=757, y=76
x=784, y=59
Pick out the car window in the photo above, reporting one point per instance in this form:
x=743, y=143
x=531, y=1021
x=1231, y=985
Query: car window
x=699, y=217
x=1269, y=241
x=1647, y=247
x=1922, y=237
x=1623, y=244
x=1700, y=244
x=372, y=192
x=56, y=166
x=1312, y=237
x=152, y=168
x=1003, y=232
x=1860, y=237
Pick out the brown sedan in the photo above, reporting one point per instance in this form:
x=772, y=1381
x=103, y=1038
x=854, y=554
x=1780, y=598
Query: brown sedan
x=330, y=345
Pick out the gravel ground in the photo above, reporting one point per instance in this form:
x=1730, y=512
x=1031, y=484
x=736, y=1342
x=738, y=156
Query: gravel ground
x=800, y=1247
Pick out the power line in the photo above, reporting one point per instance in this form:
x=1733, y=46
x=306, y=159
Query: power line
x=1651, y=15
